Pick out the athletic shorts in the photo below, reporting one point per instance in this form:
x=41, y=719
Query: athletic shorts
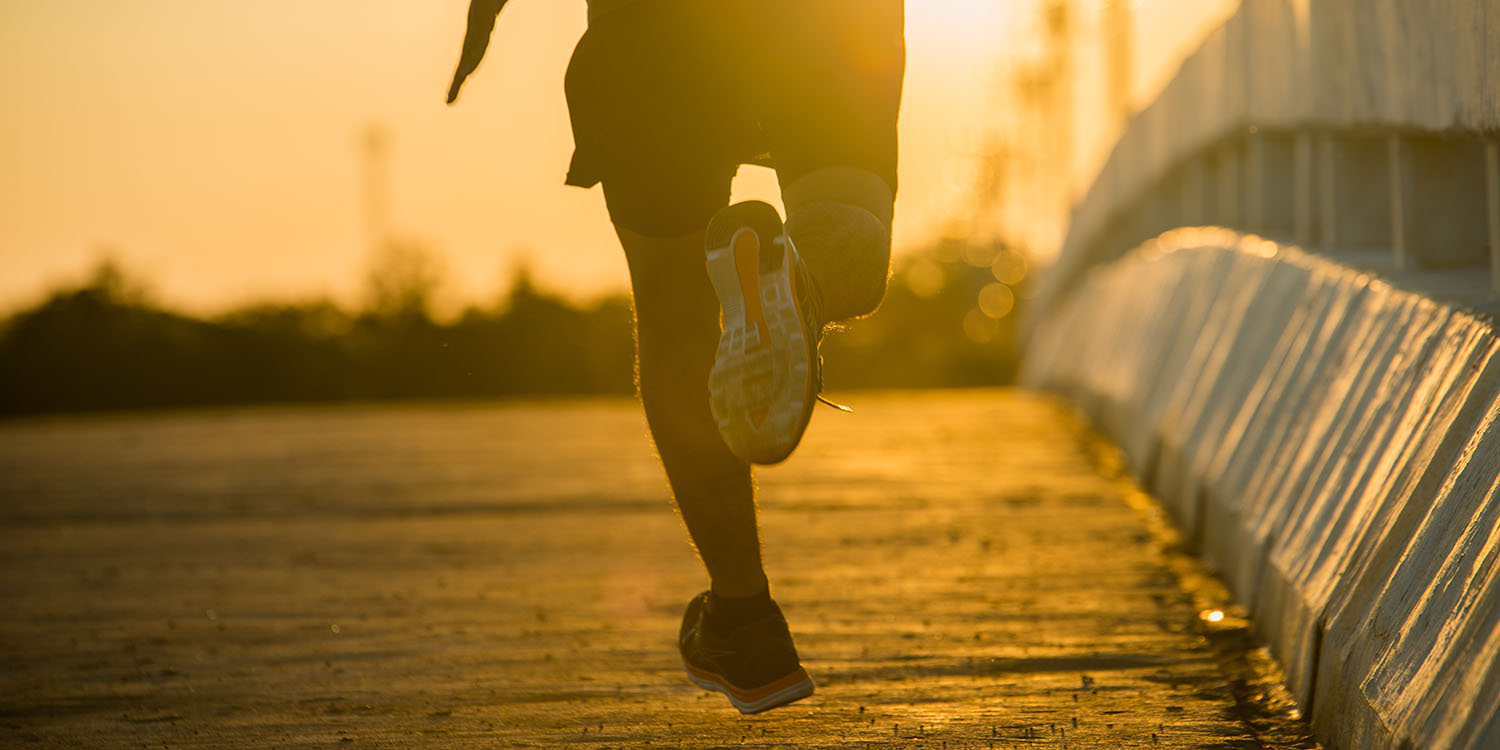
x=668, y=97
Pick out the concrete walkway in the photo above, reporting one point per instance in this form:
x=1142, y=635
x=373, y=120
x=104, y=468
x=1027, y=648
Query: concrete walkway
x=956, y=568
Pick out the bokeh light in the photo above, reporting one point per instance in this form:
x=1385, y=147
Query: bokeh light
x=1009, y=267
x=924, y=278
x=980, y=328
x=978, y=254
x=996, y=300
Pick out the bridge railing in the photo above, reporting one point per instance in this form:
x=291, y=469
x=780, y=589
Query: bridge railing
x=1328, y=442
x=1365, y=129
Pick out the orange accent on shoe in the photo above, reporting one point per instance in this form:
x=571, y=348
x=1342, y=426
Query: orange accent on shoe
x=752, y=695
x=747, y=265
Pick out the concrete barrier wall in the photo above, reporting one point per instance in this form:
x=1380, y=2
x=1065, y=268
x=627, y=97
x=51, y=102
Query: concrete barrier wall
x=1347, y=102
x=1331, y=444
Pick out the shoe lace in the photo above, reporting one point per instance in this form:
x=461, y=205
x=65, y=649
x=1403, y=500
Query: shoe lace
x=812, y=311
x=835, y=404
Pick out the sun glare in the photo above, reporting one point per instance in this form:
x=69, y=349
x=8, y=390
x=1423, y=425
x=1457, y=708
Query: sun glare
x=957, y=19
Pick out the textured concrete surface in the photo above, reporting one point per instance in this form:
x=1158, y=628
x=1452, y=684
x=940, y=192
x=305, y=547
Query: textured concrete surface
x=1331, y=444
x=1278, y=78
x=960, y=569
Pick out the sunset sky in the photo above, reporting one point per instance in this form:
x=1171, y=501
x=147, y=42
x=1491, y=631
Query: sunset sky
x=214, y=147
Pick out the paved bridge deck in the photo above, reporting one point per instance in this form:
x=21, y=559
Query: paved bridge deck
x=958, y=568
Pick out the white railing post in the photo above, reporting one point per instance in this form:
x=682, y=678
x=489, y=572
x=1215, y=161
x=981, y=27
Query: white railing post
x=1229, y=186
x=1302, y=188
x=1327, y=192
x=1194, y=212
x=1255, y=182
x=1400, y=173
x=1492, y=187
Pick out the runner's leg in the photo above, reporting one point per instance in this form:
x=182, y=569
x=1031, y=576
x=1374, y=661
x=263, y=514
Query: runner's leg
x=656, y=122
x=839, y=218
x=677, y=332
x=828, y=90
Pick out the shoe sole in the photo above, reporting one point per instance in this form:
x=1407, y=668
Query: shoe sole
x=793, y=687
x=761, y=388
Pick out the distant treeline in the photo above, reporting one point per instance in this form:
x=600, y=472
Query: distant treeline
x=104, y=345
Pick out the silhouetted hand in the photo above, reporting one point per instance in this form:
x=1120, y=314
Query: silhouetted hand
x=482, y=14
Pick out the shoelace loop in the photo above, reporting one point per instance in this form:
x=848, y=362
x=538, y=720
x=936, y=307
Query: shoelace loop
x=812, y=311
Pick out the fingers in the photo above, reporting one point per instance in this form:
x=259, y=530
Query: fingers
x=468, y=62
x=481, y=24
x=466, y=65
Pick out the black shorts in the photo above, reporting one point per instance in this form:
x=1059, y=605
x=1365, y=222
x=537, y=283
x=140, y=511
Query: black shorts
x=668, y=97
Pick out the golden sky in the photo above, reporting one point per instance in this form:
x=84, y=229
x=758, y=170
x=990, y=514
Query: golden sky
x=213, y=146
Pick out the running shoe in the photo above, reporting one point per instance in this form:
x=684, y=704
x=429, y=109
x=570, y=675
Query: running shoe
x=766, y=374
x=755, y=665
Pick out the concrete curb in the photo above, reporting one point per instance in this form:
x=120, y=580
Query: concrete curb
x=1331, y=445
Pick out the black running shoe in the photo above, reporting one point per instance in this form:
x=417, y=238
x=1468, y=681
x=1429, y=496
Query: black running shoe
x=756, y=665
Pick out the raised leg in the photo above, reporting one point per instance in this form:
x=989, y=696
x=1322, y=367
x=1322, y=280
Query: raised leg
x=839, y=218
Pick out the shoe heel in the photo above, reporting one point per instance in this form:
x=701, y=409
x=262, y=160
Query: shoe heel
x=757, y=215
x=723, y=273
x=738, y=291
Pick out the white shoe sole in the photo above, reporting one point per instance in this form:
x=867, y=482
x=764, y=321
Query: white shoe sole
x=761, y=390
x=793, y=687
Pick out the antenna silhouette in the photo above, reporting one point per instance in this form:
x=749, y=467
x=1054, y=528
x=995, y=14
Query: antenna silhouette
x=375, y=144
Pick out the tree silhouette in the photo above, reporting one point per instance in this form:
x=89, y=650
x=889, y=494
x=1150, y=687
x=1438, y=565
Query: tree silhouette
x=105, y=345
